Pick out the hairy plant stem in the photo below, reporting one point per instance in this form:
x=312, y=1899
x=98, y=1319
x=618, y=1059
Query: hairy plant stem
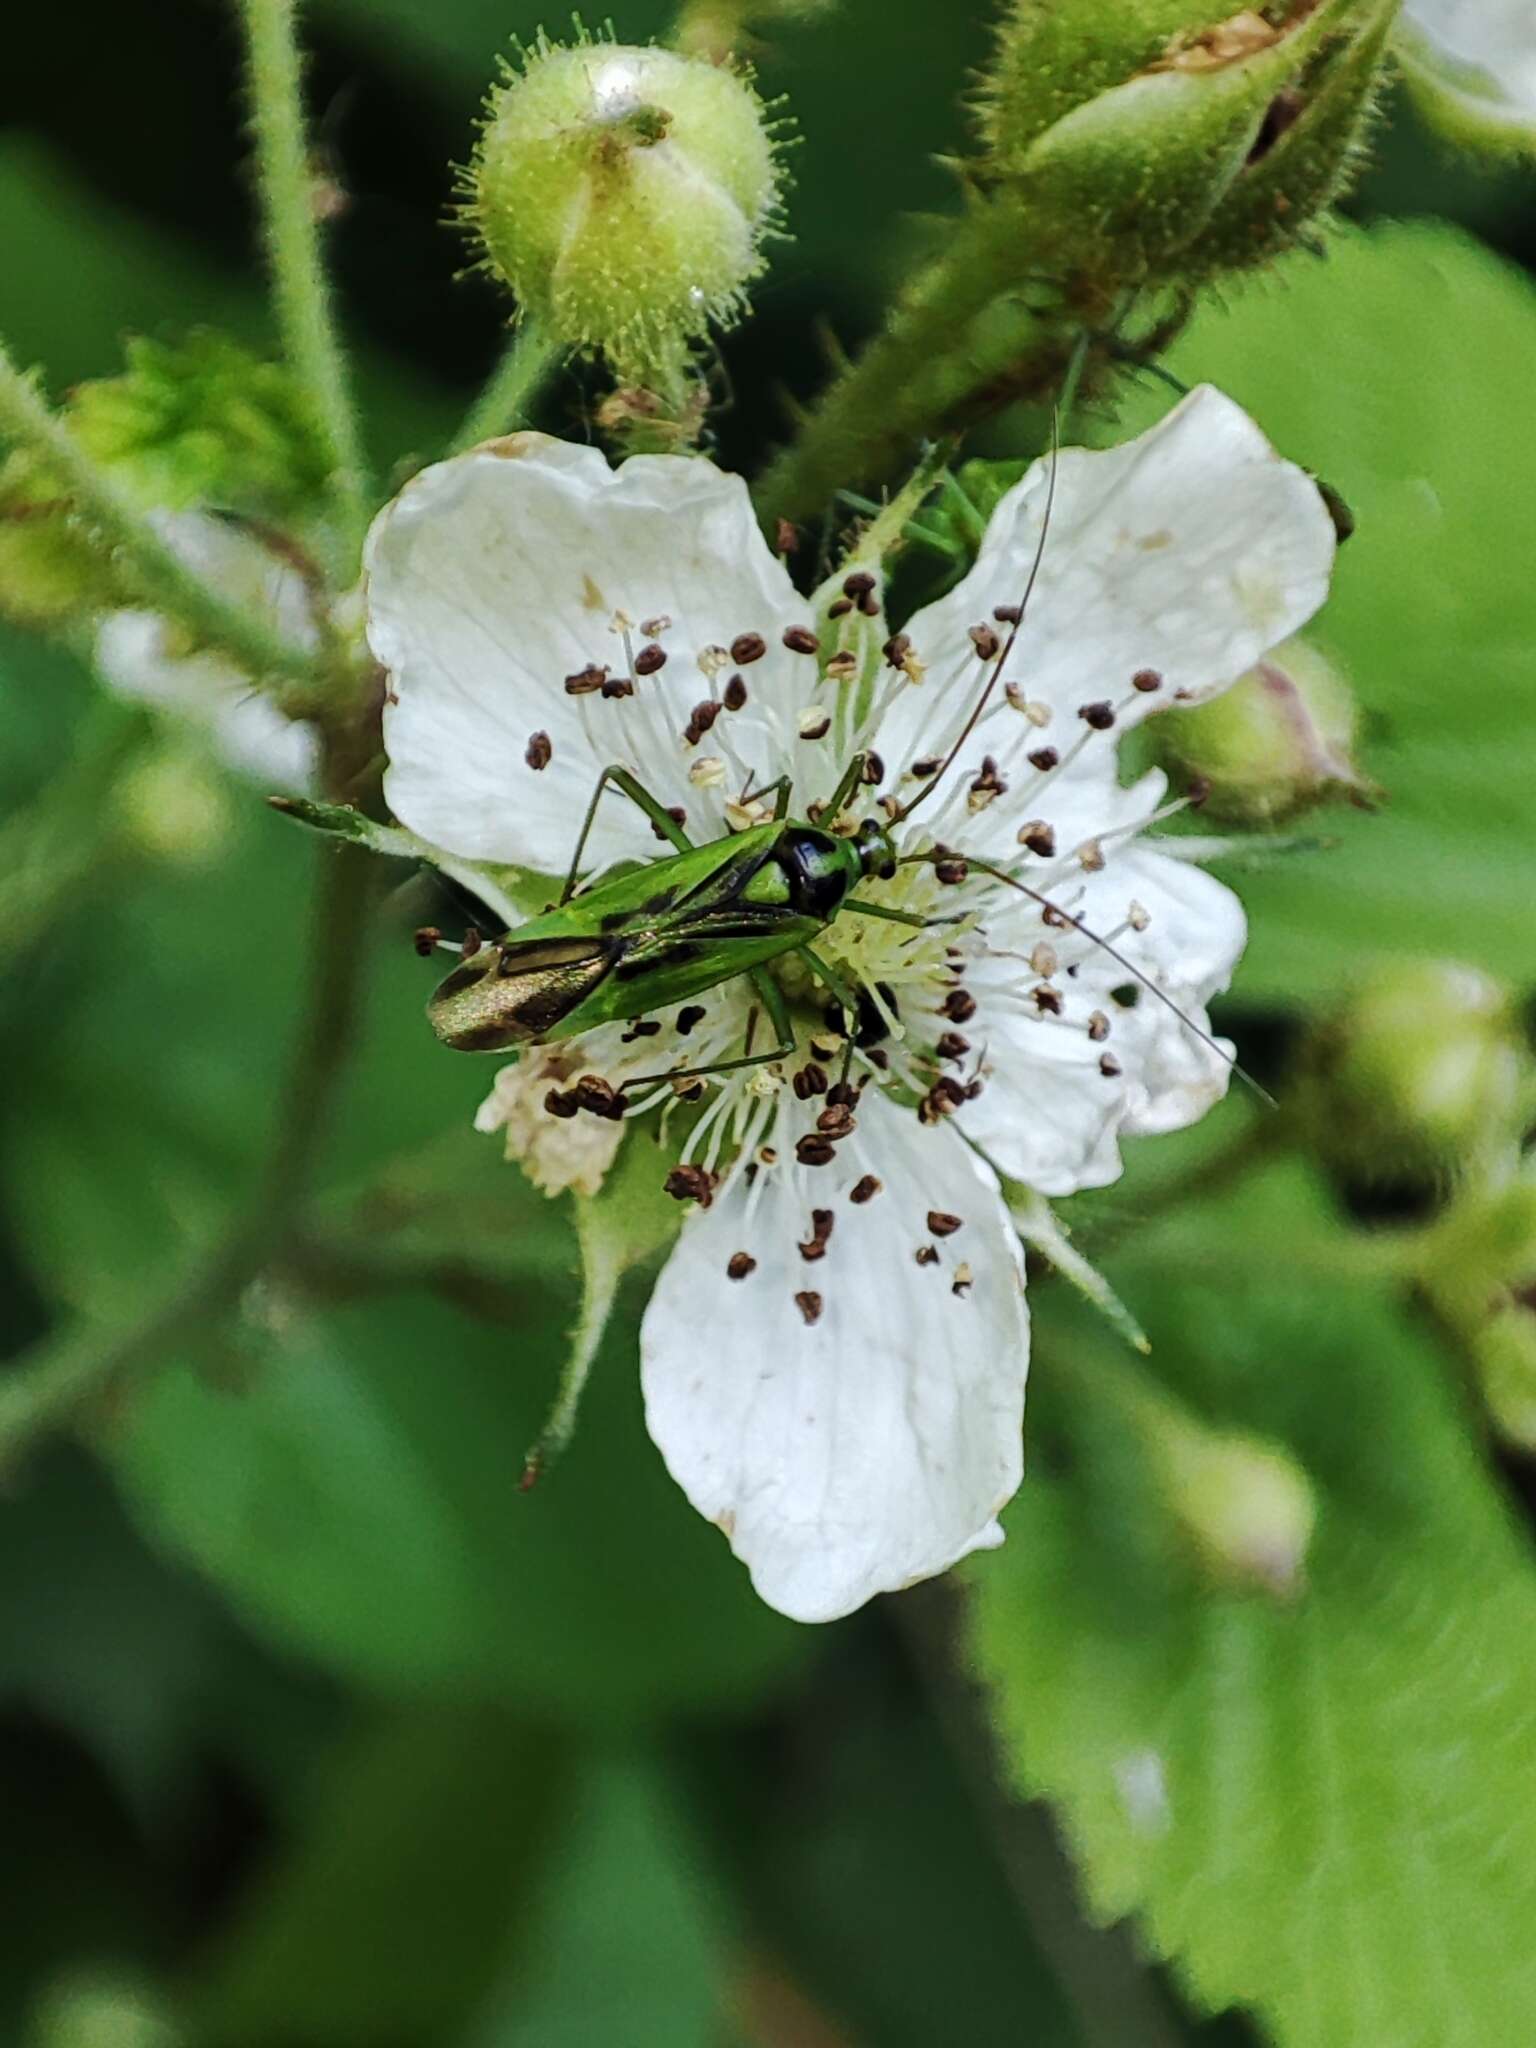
x=168, y=586
x=528, y=359
x=961, y=334
x=286, y=183
x=48, y=1386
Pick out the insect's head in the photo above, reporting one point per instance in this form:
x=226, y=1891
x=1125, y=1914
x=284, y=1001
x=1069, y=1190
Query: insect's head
x=506, y=996
x=875, y=849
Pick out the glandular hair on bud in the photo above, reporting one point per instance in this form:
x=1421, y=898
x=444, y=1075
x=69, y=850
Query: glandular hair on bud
x=1422, y=1071
x=1278, y=743
x=623, y=194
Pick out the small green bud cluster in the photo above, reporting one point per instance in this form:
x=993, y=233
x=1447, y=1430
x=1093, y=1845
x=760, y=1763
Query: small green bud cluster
x=623, y=195
x=1423, y=1072
x=1277, y=744
x=1478, y=1275
x=1150, y=143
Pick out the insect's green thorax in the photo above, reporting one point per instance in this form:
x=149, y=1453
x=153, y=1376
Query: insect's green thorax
x=663, y=934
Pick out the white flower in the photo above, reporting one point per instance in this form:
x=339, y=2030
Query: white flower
x=834, y=1356
x=143, y=656
x=1480, y=57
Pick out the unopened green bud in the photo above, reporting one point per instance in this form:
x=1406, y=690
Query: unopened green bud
x=623, y=195
x=91, y=2012
x=1423, y=1071
x=1477, y=1272
x=1149, y=142
x=174, y=808
x=1278, y=743
x=1242, y=1502
x=1472, y=67
x=51, y=573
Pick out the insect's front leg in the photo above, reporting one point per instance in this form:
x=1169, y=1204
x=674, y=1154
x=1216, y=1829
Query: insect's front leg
x=843, y=994
x=772, y=998
x=641, y=797
x=890, y=916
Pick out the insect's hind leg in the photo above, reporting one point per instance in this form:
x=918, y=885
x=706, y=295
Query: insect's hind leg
x=641, y=797
x=772, y=999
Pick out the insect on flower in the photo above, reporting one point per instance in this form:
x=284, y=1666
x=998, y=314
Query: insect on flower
x=910, y=932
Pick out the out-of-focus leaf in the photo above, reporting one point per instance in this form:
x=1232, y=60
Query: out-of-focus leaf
x=628, y=1942
x=389, y=1914
x=1326, y=1812
x=1399, y=368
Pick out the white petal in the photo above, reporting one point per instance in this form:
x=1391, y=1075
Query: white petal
x=138, y=655
x=875, y=1447
x=1048, y=1115
x=494, y=576
x=1480, y=53
x=1190, y=551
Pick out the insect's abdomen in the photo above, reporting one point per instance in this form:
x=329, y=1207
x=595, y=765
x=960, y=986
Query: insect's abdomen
x=513, y=996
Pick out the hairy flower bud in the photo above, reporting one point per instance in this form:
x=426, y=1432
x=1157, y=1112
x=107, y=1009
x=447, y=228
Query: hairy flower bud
x=1423, y=1071
x=1479, y=1278
x=1278, y=743
x=1149, y=141
x=623, y=195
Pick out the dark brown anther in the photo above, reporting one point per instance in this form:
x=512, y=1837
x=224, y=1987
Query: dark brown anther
x=973, y=1089
x=985, y=642
x=427, y=940
x=587, y=681
x=690, y=1184
x=1053, y=919
x=929, y=765
x=470, y=944
x=874, y=770
x=1044, y=758
x=840, y=608
x=1109, y=1066
x=643, y=1027
x=811, y=1249
x=869, y=605
x=878, y=1058
x=962, y=1285
x=1101, y=715
x=842, y=668
x=599, y=1098
x=897, y=648
x=739, y=1265
x=735, y=694
x=948, y=1090
x=687, y=1089
x=809, y=1305
x=822, y=1222
x=747, y=648
x=1039, y=837
x=952, y=1046
x=786, y=538
x=688, y=1016
x=942, y=1224
x=619, y=686
x=845, y=1093
x=1047, y=1001
x=859, y=585
x=678, y=816
x=801, y=640
x=811, y=1080
x=1098, y=1027
x=653, y=629
x=1147, y=680
x=1008, y=614
x=927, y=1255
x=817, y=728
x=815, y=1150
x=864, y=1190
x=650, y=659
x=959, y=1006
x=951, y=871
x=561, y=1102
x=989, y=783
x=835, y=1121
x=700, y=720
x=540, y=750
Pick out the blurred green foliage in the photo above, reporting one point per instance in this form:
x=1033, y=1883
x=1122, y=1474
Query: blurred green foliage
x=313, y=1733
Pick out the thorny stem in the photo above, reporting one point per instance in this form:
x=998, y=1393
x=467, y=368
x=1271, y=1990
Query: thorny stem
x=528, y=359
x=922, y=375
x=48, y=1386
x=167, y=584
x=300, y=287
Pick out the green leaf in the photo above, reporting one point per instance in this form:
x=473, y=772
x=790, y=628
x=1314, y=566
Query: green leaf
x=1399, y=369
x=389, y=1915
x=1324, y=1811
x=628, y=1944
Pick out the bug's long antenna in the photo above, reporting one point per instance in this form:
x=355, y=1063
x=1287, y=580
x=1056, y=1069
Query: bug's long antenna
x=1006, y=653
x=1119, y=958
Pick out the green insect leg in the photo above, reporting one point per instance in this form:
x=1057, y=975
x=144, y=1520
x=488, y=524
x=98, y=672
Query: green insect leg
x=641, y=797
